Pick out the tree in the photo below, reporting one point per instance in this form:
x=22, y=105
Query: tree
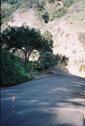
x=25, y=39
x=47, y=60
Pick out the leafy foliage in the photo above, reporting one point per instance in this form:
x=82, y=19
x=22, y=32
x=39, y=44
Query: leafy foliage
x=51, y=1
x=13, y=1
x=12, y=71
x=58, y=13
x=68, y=3
x=47, y=60
x=25, y=38
x=45, y=16
x=61, y=12
x=10, y=1
x=6, y=11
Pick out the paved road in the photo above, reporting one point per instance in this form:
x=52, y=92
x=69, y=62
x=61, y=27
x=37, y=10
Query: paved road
x=56, y=100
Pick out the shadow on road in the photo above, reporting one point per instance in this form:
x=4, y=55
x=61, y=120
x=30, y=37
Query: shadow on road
x=64, y=125
x=53, y=101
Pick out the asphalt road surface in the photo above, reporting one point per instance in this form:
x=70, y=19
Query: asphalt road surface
x=55, y=100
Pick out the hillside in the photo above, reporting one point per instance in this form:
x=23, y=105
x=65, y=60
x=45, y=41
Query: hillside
x=66, y=22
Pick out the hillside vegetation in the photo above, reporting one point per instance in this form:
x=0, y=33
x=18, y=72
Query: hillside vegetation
x=18, y=43
x=59, y=22
x=47, y=9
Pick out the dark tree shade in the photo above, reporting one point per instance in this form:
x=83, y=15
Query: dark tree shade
x=26, y=39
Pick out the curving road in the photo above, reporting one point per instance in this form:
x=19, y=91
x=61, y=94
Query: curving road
x=55, y=100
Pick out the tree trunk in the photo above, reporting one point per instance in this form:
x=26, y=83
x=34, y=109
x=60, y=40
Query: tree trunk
x=26, y=57
x=27, y=54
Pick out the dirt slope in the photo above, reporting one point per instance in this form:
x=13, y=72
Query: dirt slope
x=69, y=37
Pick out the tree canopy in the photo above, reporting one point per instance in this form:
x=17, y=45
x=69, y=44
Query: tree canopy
x=26, y=39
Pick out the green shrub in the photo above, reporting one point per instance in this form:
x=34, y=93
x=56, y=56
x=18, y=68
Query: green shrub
x=45, y=16
x=40, y=4
x=12, y=70
x=68, y=3
x=61, y=12
x=13, y=1
x=7, y=10
x=58, y=13
x=47, y=60
x=51, y=1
